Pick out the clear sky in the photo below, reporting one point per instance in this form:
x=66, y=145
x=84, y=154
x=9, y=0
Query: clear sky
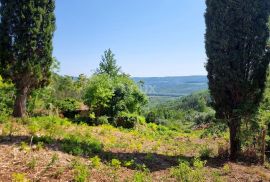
x=148, y=37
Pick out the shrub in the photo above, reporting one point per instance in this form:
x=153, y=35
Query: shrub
x=126, y=122
x=69, y=107
x=184, y=172
x=129, y=121
x=151, y=117
x=102, y=120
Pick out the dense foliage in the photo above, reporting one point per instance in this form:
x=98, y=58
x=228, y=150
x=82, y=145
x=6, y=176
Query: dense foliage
x=111, y=93
x=26, y=32
x=238, y=58
x=7, y=93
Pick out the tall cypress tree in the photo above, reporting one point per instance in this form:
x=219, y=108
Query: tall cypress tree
x=238, y=58
x=26, y=32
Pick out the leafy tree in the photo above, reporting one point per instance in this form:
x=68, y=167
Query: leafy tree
x=98, y=93
x=112, y=95
x=108, y=64
x=26, y=32
x=238, y=59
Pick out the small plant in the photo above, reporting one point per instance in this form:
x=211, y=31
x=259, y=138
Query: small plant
x=53, y=160
x=81, y=172
x=182, y=172
x=141, y=167
x=216, y=176
x=226, y=169
x=32, y=163
x=24, y=147
x=19, y=177
x=95, y=161
x=129, y=163
x=40, y=146
x=116, y=163
x=141, y=177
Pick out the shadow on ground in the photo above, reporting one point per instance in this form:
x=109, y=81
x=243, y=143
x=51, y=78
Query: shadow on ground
x=152, y=161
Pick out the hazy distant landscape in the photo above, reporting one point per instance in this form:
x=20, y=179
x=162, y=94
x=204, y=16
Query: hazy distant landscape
x=172, y=86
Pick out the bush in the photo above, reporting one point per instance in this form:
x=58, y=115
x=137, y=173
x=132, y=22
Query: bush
x=151, y=117
x=126, y=122
x=184, y=172
x=69, y=107
x=102, y=120
x=81, y=172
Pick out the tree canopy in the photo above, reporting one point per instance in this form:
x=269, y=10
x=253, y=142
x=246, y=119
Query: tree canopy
x=26, y=32
x=238, y=58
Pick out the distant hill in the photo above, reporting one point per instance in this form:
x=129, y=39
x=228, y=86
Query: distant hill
x=172, y=86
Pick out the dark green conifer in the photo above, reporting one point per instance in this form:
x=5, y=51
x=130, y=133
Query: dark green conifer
x=26, y=32
x=238, y=58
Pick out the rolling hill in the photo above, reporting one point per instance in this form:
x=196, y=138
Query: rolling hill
x=172, y=86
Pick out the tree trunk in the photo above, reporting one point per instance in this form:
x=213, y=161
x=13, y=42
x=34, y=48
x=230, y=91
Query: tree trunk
x=19, y=109
x=235, y=143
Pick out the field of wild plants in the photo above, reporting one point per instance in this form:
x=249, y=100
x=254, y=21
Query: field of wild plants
x=55, y=149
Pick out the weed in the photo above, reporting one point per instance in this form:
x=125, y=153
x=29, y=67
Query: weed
x=95, y=161
x=81, y=172
x=216, y=176
x=186, y=173
x=226, y=169
x=141, y=177
x=182, y=171
x=19, y=177
x=40, y=146
x=116, y=163
x=129, y=163
x=24, y=147
x=205, y=152
x=32, y=163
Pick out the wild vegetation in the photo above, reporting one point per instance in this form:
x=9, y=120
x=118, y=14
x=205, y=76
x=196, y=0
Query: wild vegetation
x=108, y=127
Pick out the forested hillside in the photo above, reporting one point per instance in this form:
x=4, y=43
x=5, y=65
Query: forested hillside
x=172, y=86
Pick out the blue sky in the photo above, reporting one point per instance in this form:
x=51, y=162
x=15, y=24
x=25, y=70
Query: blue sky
x=148, y=37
